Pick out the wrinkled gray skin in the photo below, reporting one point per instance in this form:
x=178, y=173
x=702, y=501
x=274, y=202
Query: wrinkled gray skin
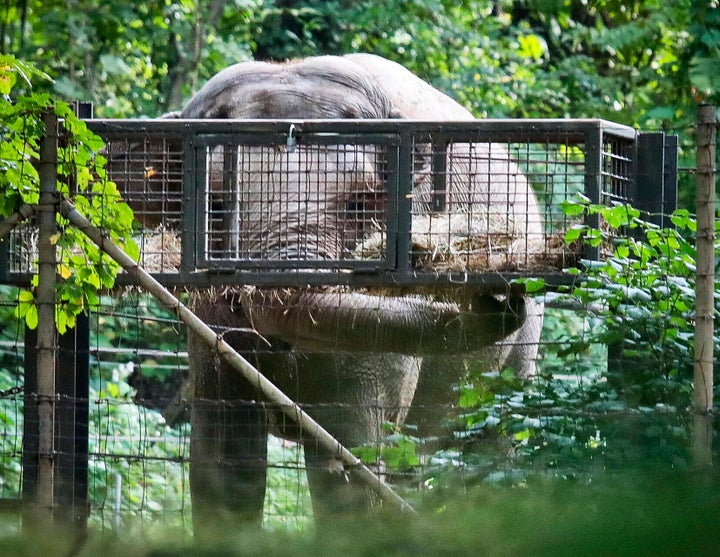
x=413, y=98
x=354, y=355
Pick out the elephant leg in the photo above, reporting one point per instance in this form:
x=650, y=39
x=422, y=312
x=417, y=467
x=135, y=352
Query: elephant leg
x=228, y=462
x=432, y=407
x=352, y=396
x=334, y=493
x=525, y=342
x=228, y=446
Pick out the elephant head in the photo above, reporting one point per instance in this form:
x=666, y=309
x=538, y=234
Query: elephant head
x=304, y=204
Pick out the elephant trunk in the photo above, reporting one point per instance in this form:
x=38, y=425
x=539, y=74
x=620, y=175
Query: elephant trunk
x=330, y=320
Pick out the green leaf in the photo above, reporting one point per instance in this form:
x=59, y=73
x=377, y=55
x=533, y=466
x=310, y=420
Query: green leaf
x=469, y=397
x=532, y=285
x=620, y=215
x=31, y=316
x=575, y=207
x=574, y=233
x=401, y=456
x=368, y=454
x=8, y=77
x=532, y=46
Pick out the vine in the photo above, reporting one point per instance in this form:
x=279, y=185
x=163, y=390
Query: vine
x=84, y=271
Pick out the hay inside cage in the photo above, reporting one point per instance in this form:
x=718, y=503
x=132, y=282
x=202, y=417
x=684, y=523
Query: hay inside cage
x=461, y=242
x=160, y=250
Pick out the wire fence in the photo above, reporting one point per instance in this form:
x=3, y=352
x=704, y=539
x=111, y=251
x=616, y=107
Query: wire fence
x=374, y=220
x=138, y=430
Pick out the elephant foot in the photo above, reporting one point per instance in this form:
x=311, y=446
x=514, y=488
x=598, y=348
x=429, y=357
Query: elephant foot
x=334, y=495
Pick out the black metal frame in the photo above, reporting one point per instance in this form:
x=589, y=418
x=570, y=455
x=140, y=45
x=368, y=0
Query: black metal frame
x=652, y=158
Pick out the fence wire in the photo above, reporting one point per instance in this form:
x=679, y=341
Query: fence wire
x=480, y=422
x=138, y=455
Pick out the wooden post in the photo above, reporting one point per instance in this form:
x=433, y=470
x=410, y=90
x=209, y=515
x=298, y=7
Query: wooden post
x=705, y=285
x=46, y=337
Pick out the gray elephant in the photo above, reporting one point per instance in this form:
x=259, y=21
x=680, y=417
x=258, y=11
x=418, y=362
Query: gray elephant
x=351, y=358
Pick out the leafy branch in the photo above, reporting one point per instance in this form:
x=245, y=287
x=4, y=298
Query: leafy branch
x=84, y=271
x=641, y=299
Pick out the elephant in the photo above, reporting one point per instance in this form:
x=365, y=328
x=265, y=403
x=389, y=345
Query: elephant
x=352, y=358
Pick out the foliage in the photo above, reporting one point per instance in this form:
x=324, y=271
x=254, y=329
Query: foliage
x=644, y=513
x=647, y=293
x=644, y=64
x=614, y=385
x=397, y=453
x=81, y=265
x=134, y=448
x=504, y=58
x=287, y=500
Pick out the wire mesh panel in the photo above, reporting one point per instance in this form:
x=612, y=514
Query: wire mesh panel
x=275, y=206
x=22, y=250
x=151, y=170
x=475, y=210
x=618, y=169
x=11, y=401
x=136, y=436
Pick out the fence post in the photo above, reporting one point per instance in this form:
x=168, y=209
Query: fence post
x=705, y=283
x=46, y=338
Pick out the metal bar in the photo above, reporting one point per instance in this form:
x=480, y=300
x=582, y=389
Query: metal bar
x=392, y=184
x=439, y=152
x=268, y=137
x=487, y=282
x=593, y=184
x=4, y=260
x=31, y=429
x=83, y=109
x=650, y=176
x=72, y=385
x=564, y=130
x=403, y=200
x=190, y=202
x=250, y=373
x=231, y=201
x=670, y=181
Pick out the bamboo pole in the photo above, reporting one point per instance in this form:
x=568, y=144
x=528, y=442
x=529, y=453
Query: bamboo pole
x=46, y=337
x=705, y=284
x=275, y=395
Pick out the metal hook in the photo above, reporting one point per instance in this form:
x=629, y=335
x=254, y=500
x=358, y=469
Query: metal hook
x=291, y=141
